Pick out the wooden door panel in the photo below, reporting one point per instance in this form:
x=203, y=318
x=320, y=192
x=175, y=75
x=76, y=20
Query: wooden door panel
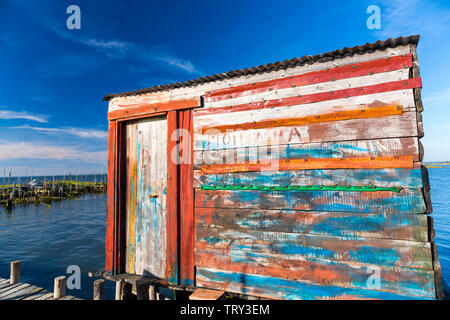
x=146, y=178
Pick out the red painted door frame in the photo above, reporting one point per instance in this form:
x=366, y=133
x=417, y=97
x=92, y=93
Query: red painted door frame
x=180, y=194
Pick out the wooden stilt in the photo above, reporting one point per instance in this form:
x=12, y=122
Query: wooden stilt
x=152, y=292
x=15, y=272
x=141, y=290
x=119, y=290
x=60, y=287
x=99, y=289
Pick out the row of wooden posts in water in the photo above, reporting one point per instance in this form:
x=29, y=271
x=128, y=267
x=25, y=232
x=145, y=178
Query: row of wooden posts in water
x=45, y=193
x=15, y=290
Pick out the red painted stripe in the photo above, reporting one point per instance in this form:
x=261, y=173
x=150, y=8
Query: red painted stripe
x=337, y=73
x=109, y=239
x=316, y=97
x=172, y=202
x=187, y=202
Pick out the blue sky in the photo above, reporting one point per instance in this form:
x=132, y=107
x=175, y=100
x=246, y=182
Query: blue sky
x=52, y=79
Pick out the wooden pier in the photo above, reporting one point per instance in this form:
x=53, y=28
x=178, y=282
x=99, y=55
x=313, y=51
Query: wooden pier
x=13, y=289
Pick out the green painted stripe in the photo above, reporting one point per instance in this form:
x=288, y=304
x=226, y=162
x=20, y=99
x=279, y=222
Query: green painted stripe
x=303, y=188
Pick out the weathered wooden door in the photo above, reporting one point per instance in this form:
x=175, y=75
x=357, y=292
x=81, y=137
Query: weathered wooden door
x=146, y=182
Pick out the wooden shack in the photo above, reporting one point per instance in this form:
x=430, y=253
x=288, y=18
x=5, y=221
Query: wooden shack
x=300, y=179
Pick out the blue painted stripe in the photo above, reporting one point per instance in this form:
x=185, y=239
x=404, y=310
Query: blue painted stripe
x=289, y=289
x=405, y=178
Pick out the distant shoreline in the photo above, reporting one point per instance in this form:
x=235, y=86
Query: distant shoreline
x=437, y=164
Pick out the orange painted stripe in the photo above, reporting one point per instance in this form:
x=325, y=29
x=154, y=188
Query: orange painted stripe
x=366, y=112
x=333, y=74
x=134, y=110
x=313, y=163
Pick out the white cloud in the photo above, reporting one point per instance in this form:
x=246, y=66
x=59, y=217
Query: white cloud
x=114, y=44
x=28, y=150
x=9, y=114
x=179, y=63
x=407, y=17
x=79, y=132
x=441, y=98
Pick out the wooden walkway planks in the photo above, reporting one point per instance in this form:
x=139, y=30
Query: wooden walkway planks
x=25, y=291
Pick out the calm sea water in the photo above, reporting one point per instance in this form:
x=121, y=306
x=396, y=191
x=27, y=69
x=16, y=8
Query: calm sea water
x=72, y=232
x=440, y=198
x=48, y=240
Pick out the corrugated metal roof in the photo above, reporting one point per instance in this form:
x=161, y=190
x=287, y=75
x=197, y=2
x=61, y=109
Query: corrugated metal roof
x=341, y=53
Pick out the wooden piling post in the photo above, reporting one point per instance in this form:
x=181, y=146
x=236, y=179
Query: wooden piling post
x=119, y=288
x=99, y=289
x=15, y=272
x=152, y=292
x=59, y=290
x=141, y=290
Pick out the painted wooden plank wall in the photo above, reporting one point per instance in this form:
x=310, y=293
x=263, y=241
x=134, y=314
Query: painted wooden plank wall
x=279, y=288
x=343, y=72
x=406, y=201
x=331, y=90
x=404, y=178
x=370, y=251
x=348, y=149
x=310, y=270
x=316, y=135
x=412, y=227
x=397, y=126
